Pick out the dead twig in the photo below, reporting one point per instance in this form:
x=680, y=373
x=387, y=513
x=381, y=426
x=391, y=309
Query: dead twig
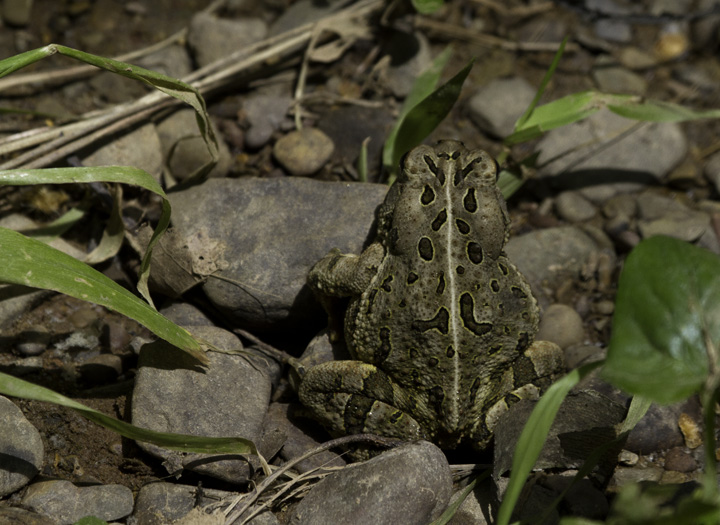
x=470, y=35
x=249, y=499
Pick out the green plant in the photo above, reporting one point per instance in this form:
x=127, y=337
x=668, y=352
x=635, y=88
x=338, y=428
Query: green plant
x=30, y=262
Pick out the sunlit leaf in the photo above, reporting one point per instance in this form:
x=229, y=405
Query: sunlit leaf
x=28, y=262
x=666, y=325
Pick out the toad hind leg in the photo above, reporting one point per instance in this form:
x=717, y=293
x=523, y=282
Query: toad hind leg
x=351, y=397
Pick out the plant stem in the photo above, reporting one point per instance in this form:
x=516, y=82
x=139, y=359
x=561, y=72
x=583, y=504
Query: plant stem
x=710, y=486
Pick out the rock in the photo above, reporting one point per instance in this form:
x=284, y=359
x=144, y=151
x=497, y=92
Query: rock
x=272, y=232
x=298, y=440
x=625, y=475
x=17, y=12
x=410, y=484
x=578, y=355
x=139, y=148
x=303, y=152
x=613, y=30
x=212, y=38
x=573, y=207
x=18, y=516
x=562, y=325
x=160, y=503
x=33, y=343
x=613, y=79
x=300, y=13
x=582, y=499
x=586, y=419
x=658, y=429
x=349, y=125
x=21, y=448
x=409, y=57
x=705, y=29
x=66, y=503
x=636, y=58
x=476, y=507
x=548, y=257
x=228, y=398
x=660, y=215
x=15, y=300
x=496, y=106
x=185, y=314
x=183, y=148
x=264, y=114
x=101, y=369
x=712, y=170
x=679, y=460
x=172, y=61
x=535, y=501
x=600, y=170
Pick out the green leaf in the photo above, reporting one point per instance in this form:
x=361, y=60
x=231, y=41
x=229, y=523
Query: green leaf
x=29, y=262
x=659, y=111
x=13, y=63
x=426, y=7
x=12, y=386
x=423, y=118
x=422, y=87
x=543, y=85
x=578, y=106
x=666, y=325
x=533, y=436
x=113, y=174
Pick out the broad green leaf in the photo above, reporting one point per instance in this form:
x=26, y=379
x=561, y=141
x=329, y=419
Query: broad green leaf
x=12, y=386
x=425, y=7
x=422, y=87
x=113, y=174
x=31, y=263
x=666, y=325
x=427, y=114
x=557, y=113
x=654, y=504
x=533, y=436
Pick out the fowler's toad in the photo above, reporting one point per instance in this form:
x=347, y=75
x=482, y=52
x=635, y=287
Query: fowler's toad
x=440, y=324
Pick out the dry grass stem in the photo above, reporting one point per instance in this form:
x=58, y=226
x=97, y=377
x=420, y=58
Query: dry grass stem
x=218, y=75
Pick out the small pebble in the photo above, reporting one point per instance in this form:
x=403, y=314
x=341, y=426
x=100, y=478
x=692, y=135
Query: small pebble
x=680, y=460
x=303, y=152
x=690, y=430
x=562, y=325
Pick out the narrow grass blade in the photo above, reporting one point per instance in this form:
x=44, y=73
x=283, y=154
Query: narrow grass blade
x=533, y=436
x=113, y=174
x=15, y=62
x=113, y=234
x=12, y=386
x=28, y=262
x=543, y=85
x=56, y=228
x=426, y=7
